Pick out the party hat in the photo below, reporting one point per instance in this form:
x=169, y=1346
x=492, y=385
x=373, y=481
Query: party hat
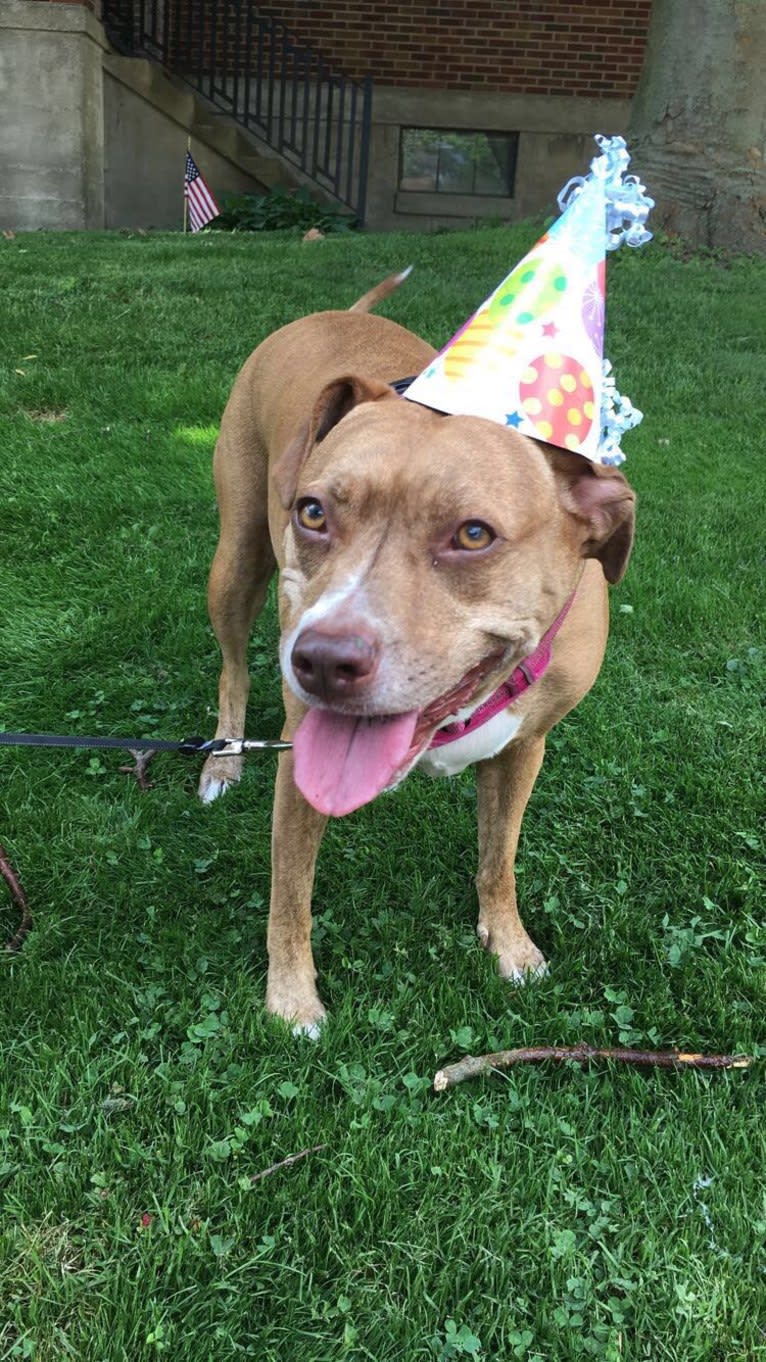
x=532, y=356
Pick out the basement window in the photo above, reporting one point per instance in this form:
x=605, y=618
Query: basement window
x=442, y=161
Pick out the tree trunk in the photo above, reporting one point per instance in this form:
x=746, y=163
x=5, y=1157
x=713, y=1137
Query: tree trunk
x=697, y=131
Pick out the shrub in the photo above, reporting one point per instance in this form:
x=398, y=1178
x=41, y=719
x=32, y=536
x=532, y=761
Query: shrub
x=281, y=209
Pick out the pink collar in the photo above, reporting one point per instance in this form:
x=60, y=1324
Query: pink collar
x=528, y=671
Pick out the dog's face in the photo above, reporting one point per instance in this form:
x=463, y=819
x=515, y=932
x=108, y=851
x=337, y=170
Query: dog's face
x=424, y=557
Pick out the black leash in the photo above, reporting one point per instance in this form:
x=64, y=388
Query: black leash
x=190, y=747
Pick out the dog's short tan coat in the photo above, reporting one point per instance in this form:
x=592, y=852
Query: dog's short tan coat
x=385, y=606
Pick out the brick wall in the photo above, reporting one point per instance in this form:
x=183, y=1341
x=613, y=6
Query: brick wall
x=559, y=47
x=546, y=47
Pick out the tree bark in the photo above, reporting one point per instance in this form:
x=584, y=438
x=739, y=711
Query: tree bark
x=697, y=130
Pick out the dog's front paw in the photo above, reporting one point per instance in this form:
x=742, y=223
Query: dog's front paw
x=218, y=774
x=301, y=1009
x=518, y=960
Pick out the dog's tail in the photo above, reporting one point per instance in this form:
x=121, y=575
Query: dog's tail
x=376, y=295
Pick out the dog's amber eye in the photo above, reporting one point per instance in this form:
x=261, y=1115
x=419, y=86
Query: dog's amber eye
x=310, y=515
x=473, y=534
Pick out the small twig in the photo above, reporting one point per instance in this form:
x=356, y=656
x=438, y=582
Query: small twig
x=141, y=760
x=19, y=897
x=285, y=1163
x=473, y=1065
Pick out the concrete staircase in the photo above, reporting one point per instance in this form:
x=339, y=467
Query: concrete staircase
x=207, y=126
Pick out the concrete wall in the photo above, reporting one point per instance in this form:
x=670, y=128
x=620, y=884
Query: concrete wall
x=51, y=116
x=146, y=127
x=89, y=139
x=555, y=142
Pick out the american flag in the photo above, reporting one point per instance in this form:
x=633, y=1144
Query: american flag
x=202, y=206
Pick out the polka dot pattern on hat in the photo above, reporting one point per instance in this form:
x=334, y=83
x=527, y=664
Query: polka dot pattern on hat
x=556, y=395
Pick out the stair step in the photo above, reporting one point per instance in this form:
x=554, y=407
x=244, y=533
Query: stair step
x=220, y=135
x=269, y=171
x=243, y=147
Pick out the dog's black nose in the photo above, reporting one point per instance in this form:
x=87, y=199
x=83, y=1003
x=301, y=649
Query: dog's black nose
x=334, y=665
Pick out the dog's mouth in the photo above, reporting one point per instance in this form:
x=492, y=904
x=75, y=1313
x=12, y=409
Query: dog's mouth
x=343, y=761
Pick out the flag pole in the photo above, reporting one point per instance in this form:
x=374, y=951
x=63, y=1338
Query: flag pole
x=186, y=196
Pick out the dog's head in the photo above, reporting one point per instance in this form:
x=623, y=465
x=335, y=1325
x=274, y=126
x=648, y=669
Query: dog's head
x=424, y=557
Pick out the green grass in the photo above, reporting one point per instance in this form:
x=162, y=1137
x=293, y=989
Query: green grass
x=548, y=1214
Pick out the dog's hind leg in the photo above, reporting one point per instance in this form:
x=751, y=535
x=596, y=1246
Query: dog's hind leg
x=504, y=785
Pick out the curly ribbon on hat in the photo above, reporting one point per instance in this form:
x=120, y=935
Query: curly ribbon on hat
x=627, y=208
x=627, y=203
x=617, y=415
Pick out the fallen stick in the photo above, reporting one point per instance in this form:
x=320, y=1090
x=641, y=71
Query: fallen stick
x=285, y=1163
x=141, y=760
x=19, y=897
x=470, y=1066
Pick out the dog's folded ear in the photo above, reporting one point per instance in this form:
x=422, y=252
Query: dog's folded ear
x=603, y=504
x=334, y=402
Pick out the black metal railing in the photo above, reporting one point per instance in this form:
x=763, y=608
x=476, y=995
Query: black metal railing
x=250, y=67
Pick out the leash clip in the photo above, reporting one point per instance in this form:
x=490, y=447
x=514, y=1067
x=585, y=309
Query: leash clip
x=236, y=747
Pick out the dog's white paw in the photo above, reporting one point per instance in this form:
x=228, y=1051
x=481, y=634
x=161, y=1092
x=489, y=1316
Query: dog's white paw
x=218, y=774
x=520, y=962
x=526, y=975
x=296, y=1004
x=308, y=1030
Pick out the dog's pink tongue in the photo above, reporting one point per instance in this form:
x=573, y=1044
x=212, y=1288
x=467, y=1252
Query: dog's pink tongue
x=342, y=763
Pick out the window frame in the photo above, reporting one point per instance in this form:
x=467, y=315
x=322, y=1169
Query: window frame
x=508, y=134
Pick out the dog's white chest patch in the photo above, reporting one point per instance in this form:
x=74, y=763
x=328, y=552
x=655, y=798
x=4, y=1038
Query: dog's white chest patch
x=484, y=743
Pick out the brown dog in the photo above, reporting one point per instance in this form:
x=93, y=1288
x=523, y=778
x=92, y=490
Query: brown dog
x=422, y=558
